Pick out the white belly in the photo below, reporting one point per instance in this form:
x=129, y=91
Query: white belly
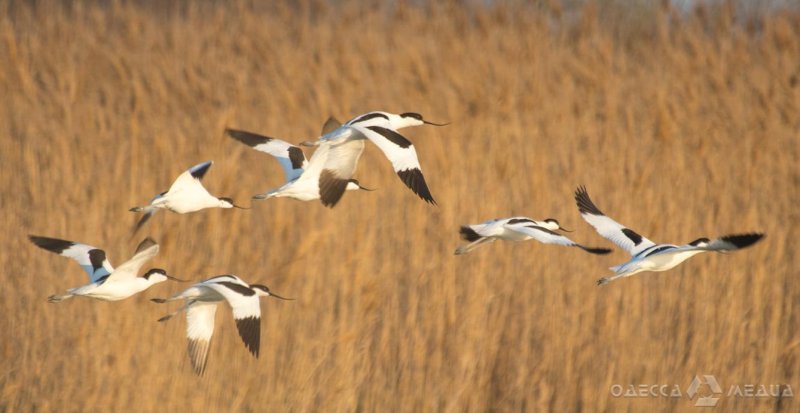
x=112, y=291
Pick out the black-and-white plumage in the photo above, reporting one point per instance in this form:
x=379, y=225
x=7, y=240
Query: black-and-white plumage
x=380, y=128
x=186, y=194
x=200, y=305
x=105, y=282
x=518, y=229
x=647, y=255
x=305, y=179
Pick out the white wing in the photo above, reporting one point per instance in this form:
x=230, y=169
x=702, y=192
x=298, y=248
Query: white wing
x=400, y=151
x=191, y=178
x=146, y=250
x=91, y=259
x=246, y=310
x=340, y=165
x=199, y=329
x=542, y=235
x=613, y=231
x=291, y=157
x=724, y=243
x=547, y=236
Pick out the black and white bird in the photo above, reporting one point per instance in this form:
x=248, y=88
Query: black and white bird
x=647, y=255
x=186, y=194
x=302, y=176
x=518, y=229
x=201, y=305
x=105, y=282
x=381, y=129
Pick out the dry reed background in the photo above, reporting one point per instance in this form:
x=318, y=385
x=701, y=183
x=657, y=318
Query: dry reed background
x=679, y=126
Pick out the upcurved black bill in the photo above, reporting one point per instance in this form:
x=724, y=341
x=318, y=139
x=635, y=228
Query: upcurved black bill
x=271, y=294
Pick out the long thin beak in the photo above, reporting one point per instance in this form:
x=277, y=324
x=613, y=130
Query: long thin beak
x=271, y=294
x=176, y=279
x=309, y=143
x=366, y=189
x=435, y=124
x=565, y=230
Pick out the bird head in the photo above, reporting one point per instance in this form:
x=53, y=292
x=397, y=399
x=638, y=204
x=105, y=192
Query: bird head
x=553, y=225
x=228, y=203
x=263, y=291
x=413, y=119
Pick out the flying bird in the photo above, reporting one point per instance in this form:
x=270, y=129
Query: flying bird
x=302, y=176
x=518, y=229
x=186, y=194
x=380, y=128
x=647, y=255
x=105, y=282
x=201, y=305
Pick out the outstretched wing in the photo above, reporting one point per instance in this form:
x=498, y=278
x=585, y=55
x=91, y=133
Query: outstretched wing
x=401, y=153
x=547, y=236
x=199, y=329
x=291, y=157
x=340, y=165
x=246, y=309
x=613, y=231
x=92, y=259
x=191, y=177
x=146, y=250
x=727, y=242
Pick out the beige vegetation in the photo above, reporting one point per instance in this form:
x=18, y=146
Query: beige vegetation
x=679, y=126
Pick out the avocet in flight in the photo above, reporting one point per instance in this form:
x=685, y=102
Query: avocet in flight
x=379, y=128
x=518, y=229
x=105, y=282
x=302, y=176
x=186, y=194
x=647, y=255
x=201, y=305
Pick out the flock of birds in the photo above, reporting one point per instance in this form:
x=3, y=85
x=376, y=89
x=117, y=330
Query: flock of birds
x=326, y=176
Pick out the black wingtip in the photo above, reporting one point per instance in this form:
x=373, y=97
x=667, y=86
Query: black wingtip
x=199, y=171
x=198, y=355
x=331, y=188
x=51, y=244
x=598, y=251
x=468, y=234
x=585, y=204
x=743, y=240
x=415, y=181
x=140, y=223
x=250, y=332
x=248, y=138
